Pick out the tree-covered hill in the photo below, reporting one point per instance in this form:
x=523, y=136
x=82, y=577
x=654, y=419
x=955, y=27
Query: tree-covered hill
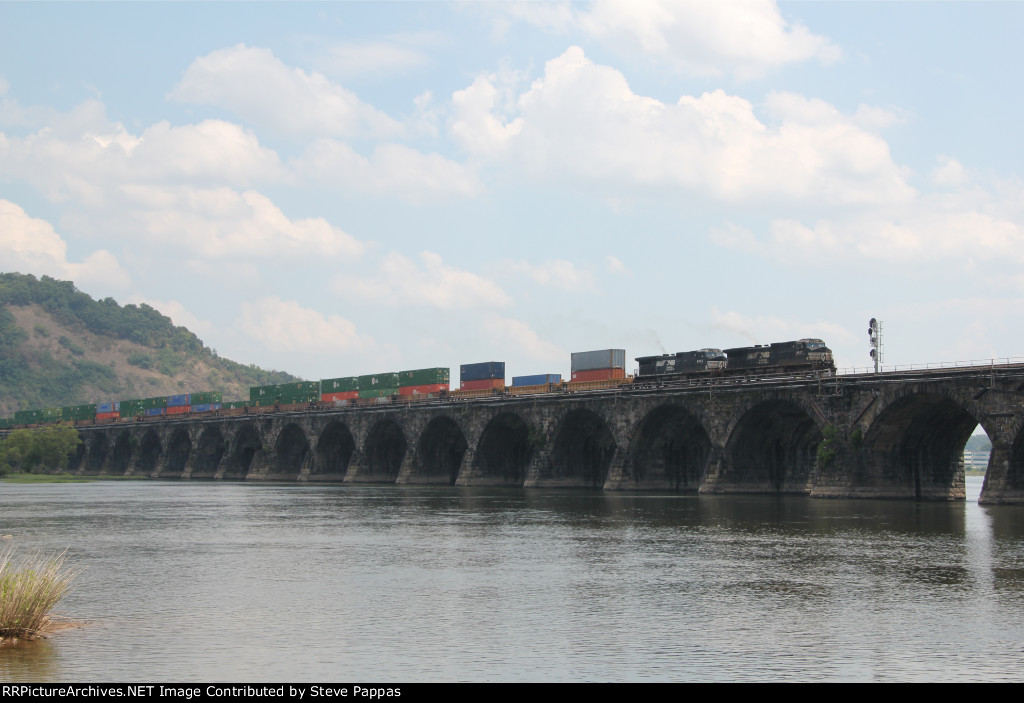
x=60, y=347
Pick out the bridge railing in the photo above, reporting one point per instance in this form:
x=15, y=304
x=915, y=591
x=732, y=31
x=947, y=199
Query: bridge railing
x=895, y=368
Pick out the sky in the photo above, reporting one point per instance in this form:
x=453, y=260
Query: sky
x=344, y=188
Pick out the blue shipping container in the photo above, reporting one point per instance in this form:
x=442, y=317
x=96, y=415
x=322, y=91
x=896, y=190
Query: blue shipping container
x=205, y=407
x=107, y=407
x=482, y=371
x=155, y=411
x=176, y=401
x=537, y=379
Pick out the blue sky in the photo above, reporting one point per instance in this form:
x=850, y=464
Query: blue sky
x=344, y=188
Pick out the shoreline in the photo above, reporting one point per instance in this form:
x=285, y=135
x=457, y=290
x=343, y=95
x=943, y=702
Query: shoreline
x=56, y=624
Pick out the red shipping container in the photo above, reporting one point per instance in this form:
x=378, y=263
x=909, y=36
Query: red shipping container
x=108, y=416
x=483, y=384
x=423, y=390
x=340, y=395
x=598, y=374
x=179, y=410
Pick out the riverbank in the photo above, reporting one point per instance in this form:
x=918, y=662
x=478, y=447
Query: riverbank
x=63, y=478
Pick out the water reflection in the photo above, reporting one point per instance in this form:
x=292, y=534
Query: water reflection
x=193, y=581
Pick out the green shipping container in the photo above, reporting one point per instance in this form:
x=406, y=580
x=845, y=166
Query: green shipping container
x=423, y=377
x=263, y=393
x=27, y=417
x=339, y=385
x=206, y=397
x=159, y=401
x=297, y=388
x=131, y=408
x=52, y=414
x=306, y=397
x=378, y=393
x=378, y=380
x=83, y=412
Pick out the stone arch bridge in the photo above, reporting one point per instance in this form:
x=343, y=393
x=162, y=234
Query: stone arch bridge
x=895, y=435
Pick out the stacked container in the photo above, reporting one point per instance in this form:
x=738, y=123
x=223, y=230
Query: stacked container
x=599, y=365
x=299, y=392
x=380, y=385
x=108, y=410
x=339, y=389
x=482, y=376
x=428, y=382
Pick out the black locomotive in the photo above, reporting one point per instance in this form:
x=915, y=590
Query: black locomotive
x=803, y=355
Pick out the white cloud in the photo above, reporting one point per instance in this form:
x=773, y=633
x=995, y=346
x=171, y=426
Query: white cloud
x=477, y=123
x=616, y=266
x=392, y=55
x=393, y=168
x=933, y=229
x=583, y=120
x=31, y=245
x=286, y=326
x=259, y=87
x=516, y=337
x=86, y=158
x=558, y=273
x=401, y=281
x=949, y=172
x=744, y=37
x=223, y=223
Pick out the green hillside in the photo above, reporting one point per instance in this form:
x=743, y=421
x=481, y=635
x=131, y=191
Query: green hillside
x=60, y=347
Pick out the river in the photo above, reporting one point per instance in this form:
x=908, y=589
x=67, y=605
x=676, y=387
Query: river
x=196, y=581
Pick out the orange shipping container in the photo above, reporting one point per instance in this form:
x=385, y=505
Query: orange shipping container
x=598, y=374
x=339, y=395
x=434, y=388
x=179, y=410
x=108, y=416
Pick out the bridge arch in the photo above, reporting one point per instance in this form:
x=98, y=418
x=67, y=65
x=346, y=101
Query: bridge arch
x=772, y=448
x=670, y=450
x=292, y=450
x=441, y=448
x=209, y=452
x=149, y=453
x=504, y=452
x=96, y=454
x=244, y=447
x=583, y=448
x=121, y=457
x=179, y=447
x=385, y=449
x=916, y=442
x=334, y=450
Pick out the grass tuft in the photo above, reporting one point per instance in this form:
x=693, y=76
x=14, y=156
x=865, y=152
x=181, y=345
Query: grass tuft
x=29, y=589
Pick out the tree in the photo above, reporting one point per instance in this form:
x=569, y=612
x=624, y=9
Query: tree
x=48, y=448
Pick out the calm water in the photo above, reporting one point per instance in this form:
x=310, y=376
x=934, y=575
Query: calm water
x=213, y=582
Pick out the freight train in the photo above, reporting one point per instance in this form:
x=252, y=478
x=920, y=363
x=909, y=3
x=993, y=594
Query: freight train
x=597, y=370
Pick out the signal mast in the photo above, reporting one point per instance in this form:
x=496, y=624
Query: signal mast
x=875, y=336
